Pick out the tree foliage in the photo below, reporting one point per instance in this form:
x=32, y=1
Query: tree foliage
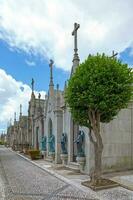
x=101, y=84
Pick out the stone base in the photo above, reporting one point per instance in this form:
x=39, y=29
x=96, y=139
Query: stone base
x=64, y=158
x=52, y=156
x=73, y=166
x=104, y=184
x=44, y=153
x=25, y=151
x=81, y=162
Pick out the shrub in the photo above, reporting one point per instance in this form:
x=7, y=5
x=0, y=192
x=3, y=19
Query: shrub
x=34, y=154
x=2, y=143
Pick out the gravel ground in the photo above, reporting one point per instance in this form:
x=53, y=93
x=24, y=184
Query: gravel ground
x=117, y=193
x=2, y=191
x=21, y=180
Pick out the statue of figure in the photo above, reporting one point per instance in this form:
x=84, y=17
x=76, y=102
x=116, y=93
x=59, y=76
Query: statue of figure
x=79, y=141
x=64, y=143
x=52, y=143
x=44, y=143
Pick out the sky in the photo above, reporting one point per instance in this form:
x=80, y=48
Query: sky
x=33, y=32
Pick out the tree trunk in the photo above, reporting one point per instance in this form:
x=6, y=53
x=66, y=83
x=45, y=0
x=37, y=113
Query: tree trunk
x=98, y=146
x=98, y=163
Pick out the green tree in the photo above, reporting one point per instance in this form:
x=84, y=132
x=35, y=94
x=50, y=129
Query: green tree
x=97, y=91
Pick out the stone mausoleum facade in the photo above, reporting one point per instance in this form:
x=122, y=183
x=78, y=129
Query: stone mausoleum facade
x=49, y=127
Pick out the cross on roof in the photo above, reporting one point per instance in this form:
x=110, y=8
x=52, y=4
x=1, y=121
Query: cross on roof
x=51, y=63
x=74, y=33
x=114, y=54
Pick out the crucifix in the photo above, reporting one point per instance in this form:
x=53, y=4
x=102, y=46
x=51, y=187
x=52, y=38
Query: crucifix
x=74, y=33
x=51, y=71
x=32, y=84
x=114, y=54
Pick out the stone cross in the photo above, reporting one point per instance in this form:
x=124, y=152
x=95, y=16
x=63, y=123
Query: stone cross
x=114, y=54
x=74, y=33
x=32, y=84
x=51, y=71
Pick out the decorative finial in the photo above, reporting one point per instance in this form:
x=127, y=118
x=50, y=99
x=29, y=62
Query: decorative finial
x=51, y=62
x=51, y=72
x=32, y=85
x=20, y=110
x=39, y=96
x=15, y=117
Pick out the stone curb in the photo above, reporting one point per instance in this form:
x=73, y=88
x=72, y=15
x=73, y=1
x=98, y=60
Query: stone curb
x=80, y=187
x=123, y=183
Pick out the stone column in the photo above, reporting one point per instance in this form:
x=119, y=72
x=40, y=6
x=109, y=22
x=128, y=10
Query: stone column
x=58, y=131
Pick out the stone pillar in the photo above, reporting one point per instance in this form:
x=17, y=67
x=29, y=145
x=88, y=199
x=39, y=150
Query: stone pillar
x=58, y=131
x=33, y=132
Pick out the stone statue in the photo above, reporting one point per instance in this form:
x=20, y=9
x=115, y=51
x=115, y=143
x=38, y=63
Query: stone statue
x=64, y=143
x=80, y=141
x=44, y=143
x=52, y=143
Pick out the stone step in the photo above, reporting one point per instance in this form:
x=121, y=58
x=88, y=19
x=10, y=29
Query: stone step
x=73, y=166
x=48, y=159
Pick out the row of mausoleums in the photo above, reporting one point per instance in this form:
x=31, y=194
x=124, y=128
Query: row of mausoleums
x=50, y=128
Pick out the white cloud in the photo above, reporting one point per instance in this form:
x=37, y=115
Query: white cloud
x=45, y=27
x=30, y=63
x=11, y=96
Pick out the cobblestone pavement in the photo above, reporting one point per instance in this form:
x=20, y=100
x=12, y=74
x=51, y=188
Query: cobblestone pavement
x=24, y=181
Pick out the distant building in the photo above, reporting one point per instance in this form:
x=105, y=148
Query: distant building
x=3, y=137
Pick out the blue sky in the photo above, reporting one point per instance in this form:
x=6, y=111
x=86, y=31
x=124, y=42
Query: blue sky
x=33, y=32
x=23, y=67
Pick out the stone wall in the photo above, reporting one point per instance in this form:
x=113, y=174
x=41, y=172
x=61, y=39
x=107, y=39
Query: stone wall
x=118, y=143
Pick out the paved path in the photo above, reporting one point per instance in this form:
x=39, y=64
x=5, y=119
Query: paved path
x=21, y=180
